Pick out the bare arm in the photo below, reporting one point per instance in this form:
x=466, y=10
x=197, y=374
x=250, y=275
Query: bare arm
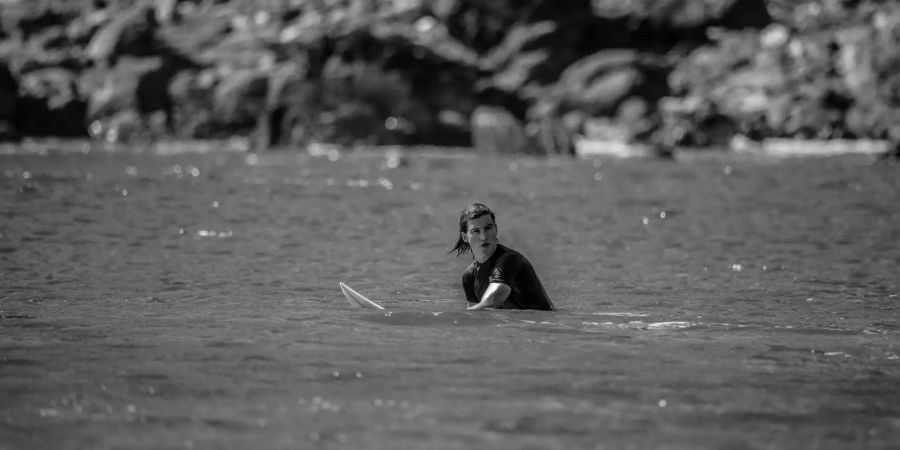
x=494, y=295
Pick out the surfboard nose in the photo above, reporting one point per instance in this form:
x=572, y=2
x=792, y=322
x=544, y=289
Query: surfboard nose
x=357, y=299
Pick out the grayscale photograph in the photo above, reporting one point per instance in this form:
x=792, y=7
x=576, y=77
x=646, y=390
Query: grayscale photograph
x=449, y=224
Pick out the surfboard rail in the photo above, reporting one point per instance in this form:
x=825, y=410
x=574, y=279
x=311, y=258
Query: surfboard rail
x=357, y=299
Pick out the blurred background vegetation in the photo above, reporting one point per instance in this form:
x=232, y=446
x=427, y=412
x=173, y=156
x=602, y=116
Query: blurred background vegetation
x=524, y=76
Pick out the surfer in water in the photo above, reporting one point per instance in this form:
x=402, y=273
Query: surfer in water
x=500, y=277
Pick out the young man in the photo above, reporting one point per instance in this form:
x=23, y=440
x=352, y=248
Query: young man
x=500, y=277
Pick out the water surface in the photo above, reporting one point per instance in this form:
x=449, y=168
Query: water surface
x=177, y=298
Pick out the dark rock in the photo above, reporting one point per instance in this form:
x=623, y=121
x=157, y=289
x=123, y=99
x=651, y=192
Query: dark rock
x=893, y=152
x=9, y=90
x=151, y=94
x=694, y=122
x=37, y=117
x=31, y=117
x=8, y=132
x=51, y=105
x=69, y=119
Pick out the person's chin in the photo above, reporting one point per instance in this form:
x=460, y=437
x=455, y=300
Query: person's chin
x=485, y=250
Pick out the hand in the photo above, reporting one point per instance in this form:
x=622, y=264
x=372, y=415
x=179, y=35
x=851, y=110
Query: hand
x=481, y=305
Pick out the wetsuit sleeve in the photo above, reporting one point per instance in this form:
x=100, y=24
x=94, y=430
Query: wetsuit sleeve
x=506, y=270
x=468, y=282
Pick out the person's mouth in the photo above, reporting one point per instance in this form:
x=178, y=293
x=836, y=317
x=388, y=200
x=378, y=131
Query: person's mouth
x=485, y=244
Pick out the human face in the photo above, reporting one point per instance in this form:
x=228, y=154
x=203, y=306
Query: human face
x=481, y=235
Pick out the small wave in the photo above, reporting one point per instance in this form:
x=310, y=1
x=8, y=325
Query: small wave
x=671, y=325
x=430, y=318
x=816, y=330
x=639, y=325
x=619, y=314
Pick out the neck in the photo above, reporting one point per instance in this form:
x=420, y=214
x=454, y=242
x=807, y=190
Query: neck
x=487, y=257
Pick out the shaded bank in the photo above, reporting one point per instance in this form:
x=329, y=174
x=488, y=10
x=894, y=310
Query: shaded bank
x=508, y=76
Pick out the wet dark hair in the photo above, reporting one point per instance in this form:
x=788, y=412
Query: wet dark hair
x=471, y=212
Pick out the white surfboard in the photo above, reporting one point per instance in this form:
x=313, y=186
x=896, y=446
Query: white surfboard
x=357, y=299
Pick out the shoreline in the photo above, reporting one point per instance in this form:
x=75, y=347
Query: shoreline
x=585, y=149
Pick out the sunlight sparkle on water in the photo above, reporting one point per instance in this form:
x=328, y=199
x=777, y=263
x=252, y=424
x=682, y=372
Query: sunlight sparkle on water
x=214, y=234
x=363, y=183
x=393, y=159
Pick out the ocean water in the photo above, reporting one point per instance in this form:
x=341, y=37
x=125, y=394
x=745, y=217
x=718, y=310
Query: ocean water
x=186, y=296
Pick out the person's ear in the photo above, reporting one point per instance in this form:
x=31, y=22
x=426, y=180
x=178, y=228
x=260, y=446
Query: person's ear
x=464, y=237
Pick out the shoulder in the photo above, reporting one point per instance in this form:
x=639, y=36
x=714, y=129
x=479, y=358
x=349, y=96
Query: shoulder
x=469, y=272
x=509, y=255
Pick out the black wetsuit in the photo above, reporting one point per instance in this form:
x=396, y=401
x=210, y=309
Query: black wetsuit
x=509, y=267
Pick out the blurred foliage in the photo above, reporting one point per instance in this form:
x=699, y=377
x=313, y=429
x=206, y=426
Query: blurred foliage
x=665, y=72
x=828, y=70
